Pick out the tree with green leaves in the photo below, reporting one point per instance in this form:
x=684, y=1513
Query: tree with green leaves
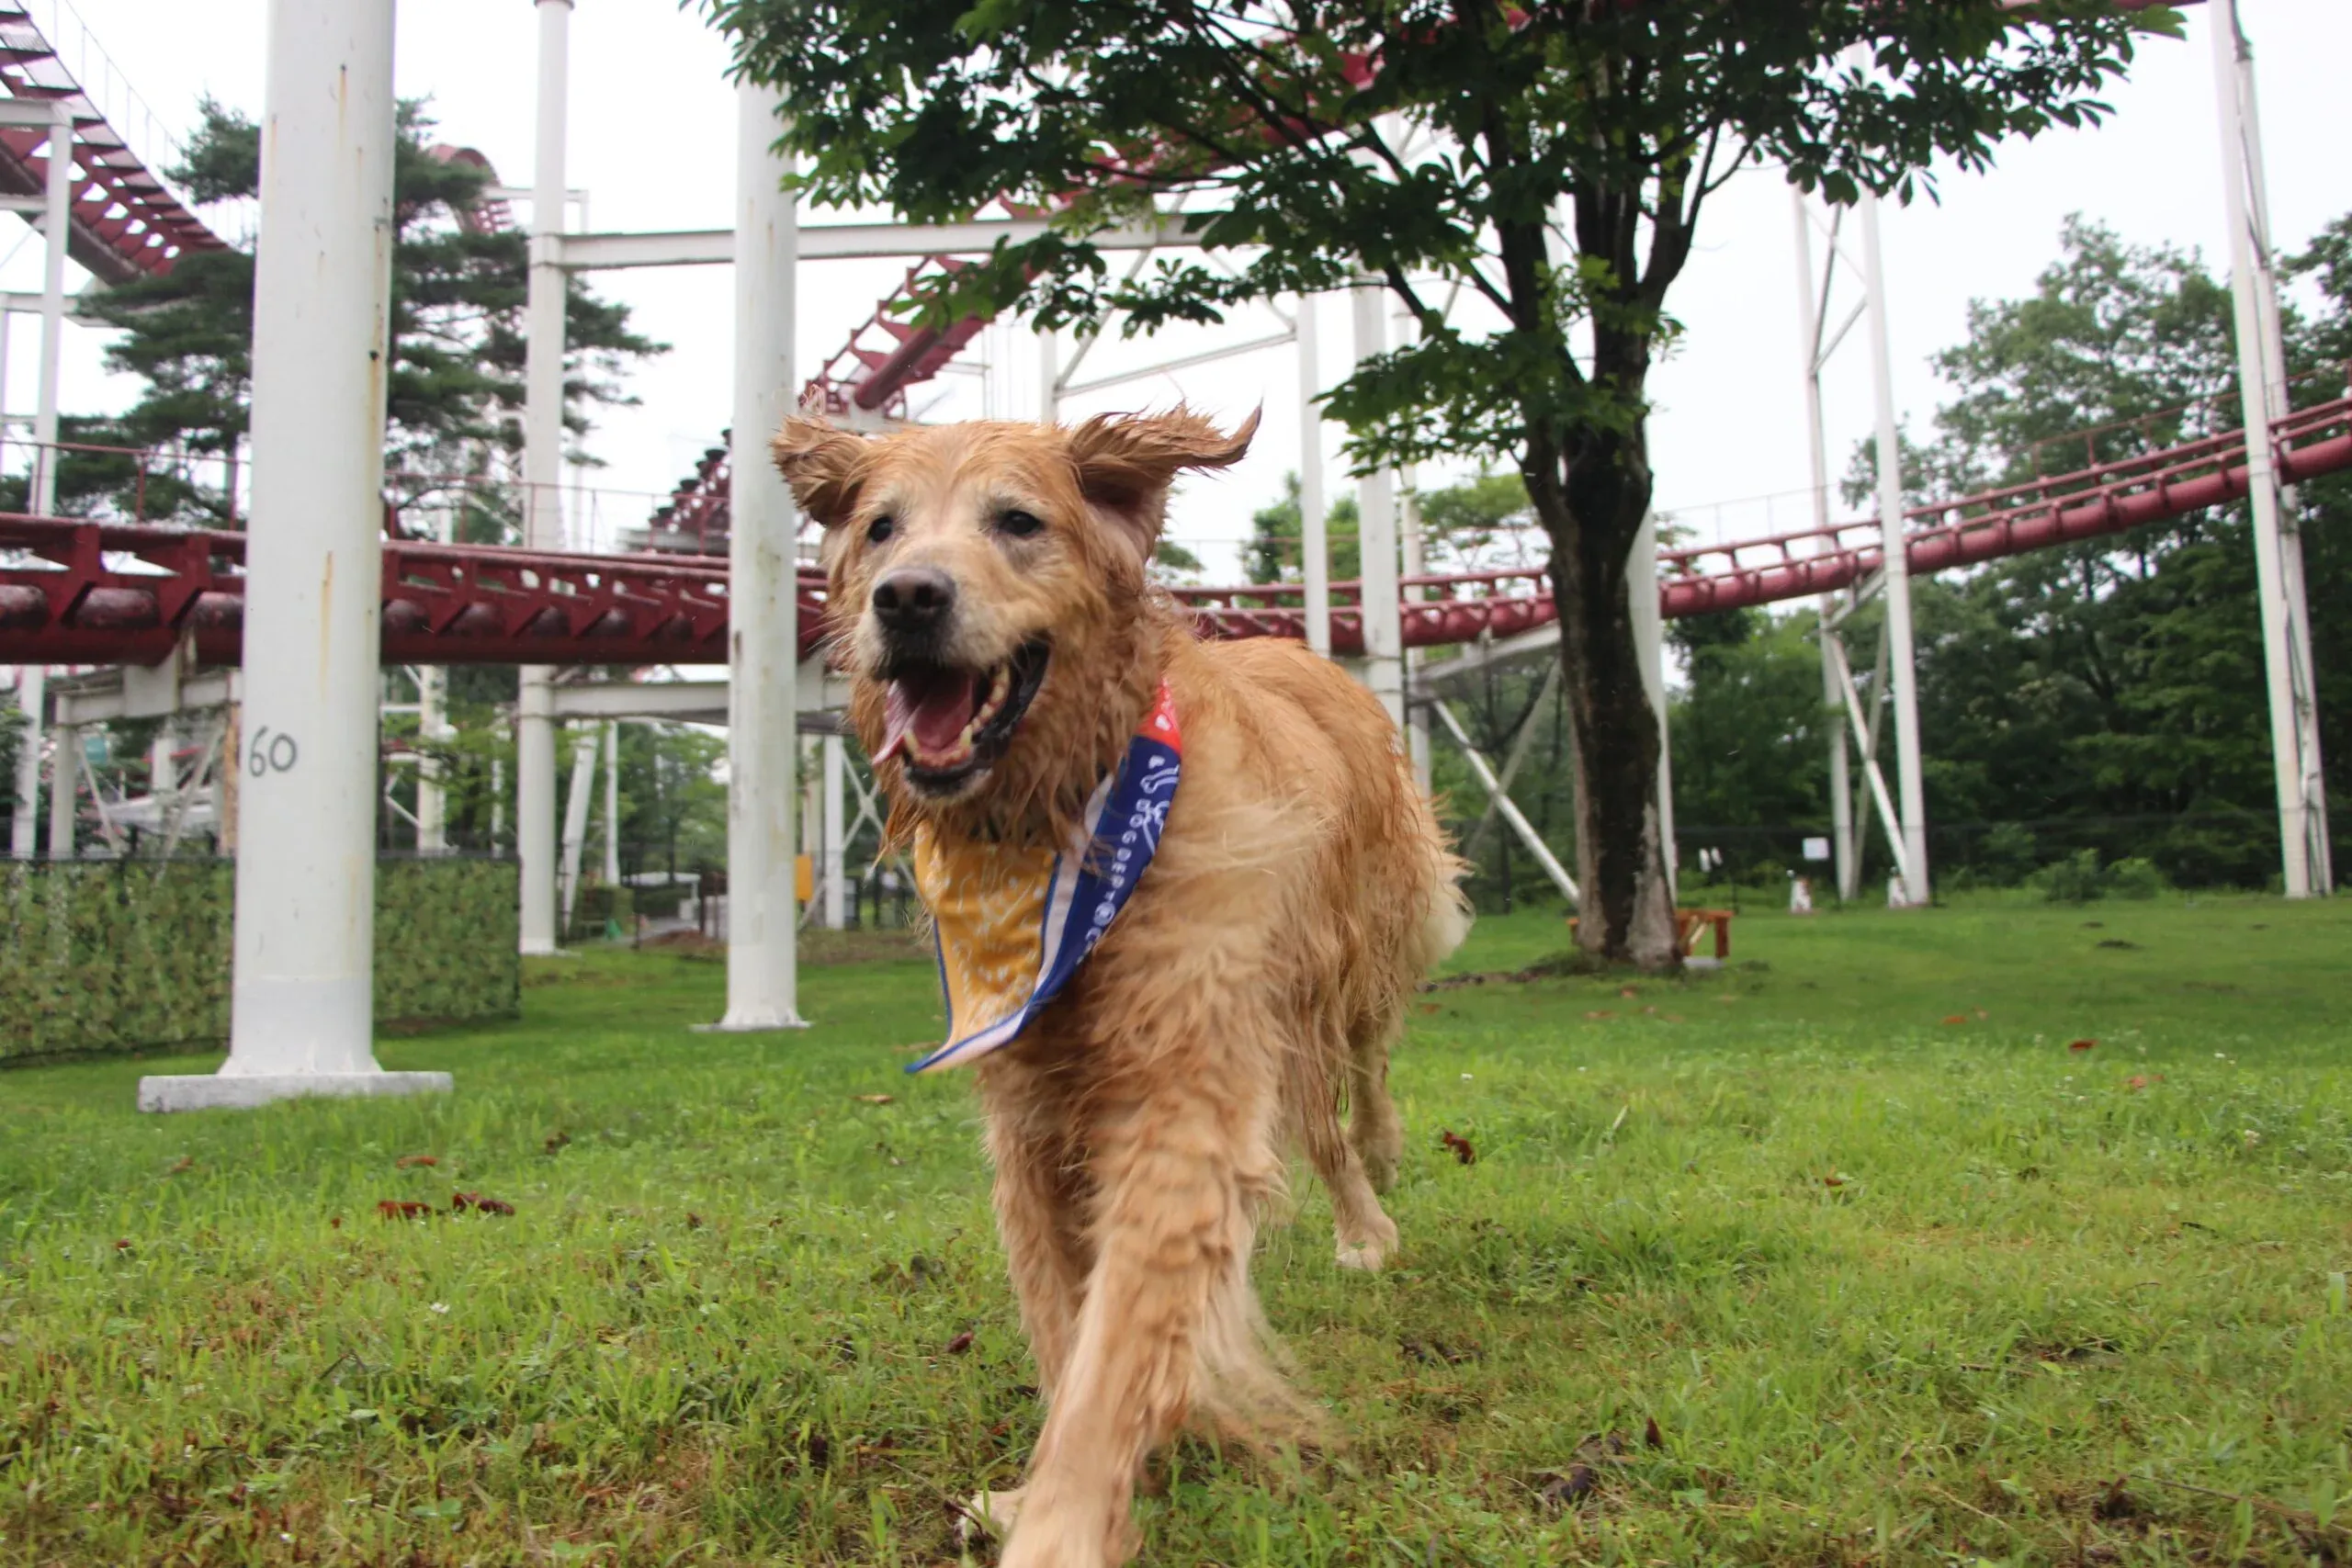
x=455, y=387
x=1548, y=159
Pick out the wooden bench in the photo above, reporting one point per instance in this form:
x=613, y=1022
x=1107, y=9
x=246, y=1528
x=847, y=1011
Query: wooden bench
x=1689, y=923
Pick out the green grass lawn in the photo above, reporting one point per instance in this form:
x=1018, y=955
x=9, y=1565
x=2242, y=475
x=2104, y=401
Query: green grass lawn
x=1842, y=1254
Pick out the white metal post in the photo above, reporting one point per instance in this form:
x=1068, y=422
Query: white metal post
x=1313, y=533
x=763, y=689
x=56, y=220
x=1383, y=638
x=575, y=822
x=1649, y=631
x=836, y=890
x=301, y=1013
x=33, y=682
x=1910, y=788
x=612, y=803
x=64, y=789
x=431, y=731
x=1049, y=370
x=2305, y=860
x=1841, y=789
x=534, y=759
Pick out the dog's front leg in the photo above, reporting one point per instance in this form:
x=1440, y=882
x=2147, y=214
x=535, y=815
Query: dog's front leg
x=1178, y=1168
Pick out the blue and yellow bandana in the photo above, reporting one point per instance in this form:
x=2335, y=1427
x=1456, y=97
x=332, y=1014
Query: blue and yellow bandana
x=1013, y=925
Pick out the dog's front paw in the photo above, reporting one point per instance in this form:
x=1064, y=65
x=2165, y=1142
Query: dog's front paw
x=1365, y=1256
x=989, y=1514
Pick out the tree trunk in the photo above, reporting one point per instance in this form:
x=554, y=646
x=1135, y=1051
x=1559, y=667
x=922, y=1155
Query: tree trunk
x=1591, y=501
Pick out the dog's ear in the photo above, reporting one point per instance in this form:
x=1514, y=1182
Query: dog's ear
x=823, y=464
x=1125, y=463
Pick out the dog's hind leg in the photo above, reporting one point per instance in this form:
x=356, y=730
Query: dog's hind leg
x=1366, y=1235
x=1181, y=1167
x=1373, y=1130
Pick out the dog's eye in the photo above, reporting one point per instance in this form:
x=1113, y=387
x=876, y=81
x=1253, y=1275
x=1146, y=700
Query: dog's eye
x=880, y=529
x=1020, y=524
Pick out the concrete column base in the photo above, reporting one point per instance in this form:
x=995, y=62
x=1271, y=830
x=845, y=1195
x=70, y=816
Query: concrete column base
x=732, y=1025
x=222, y=1091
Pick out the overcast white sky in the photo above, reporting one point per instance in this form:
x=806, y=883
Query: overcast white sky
x=651, y=139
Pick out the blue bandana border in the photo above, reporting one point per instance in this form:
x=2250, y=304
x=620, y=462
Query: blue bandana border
x=1091, y=879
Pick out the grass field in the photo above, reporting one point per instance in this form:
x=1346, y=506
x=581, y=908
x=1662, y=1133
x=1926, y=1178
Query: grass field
x=1844, y=1255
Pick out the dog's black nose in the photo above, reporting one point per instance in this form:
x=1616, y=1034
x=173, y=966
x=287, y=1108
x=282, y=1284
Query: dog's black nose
x=914, y=599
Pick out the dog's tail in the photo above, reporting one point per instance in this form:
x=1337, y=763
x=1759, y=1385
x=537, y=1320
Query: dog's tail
x=1445, y=910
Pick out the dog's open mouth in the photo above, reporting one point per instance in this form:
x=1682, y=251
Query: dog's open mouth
x=952, y=723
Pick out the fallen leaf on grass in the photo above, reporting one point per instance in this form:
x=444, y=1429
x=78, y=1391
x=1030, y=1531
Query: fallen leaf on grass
x=2139, y=1081
x=460, y=1202
x=961, y=1343
x=1651, y=1436
x=410, y=1162
x=1956, y=1018
x=1833, y=1180
x=556, y=1139
x=1628, y=992
x=2081, y=1044
x=1604, y=1012
x=874, y=1098
x=188, y=1162
x=1460, y=1146
x=1560, y=1491
x=693, y=1221
x=122, y=1244
x=403, y=1209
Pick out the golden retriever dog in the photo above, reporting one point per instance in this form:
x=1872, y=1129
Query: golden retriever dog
x=990, y=604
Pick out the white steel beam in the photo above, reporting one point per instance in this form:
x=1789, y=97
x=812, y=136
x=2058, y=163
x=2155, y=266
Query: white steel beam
x=1314, y=533
x=762, y=602
x=2306, y=862
x=612, y=802
x=575, y=822
x=64, y=793
x=846, y=241
x=31, y=682
x=534, y=752
x=56, y=224
x=836, y=878
x=303, y=1008
x=1649, y=631
x=1485, y=775
x=1909, y=782
x=1383, y=633
x=1169, y=367
x=1841, y=815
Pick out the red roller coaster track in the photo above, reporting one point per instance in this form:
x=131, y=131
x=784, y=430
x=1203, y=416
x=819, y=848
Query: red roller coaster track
x=86, y=593
x=126, y=223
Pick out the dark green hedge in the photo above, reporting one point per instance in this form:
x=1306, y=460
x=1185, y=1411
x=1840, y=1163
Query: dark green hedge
x=121, y=955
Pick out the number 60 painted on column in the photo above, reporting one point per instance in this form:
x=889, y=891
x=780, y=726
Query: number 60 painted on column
x=271, y=753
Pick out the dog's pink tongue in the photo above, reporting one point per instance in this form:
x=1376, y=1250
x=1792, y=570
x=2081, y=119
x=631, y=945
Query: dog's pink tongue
x=933, y=710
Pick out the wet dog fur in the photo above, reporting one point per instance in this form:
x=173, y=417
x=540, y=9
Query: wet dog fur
x=1254, y=982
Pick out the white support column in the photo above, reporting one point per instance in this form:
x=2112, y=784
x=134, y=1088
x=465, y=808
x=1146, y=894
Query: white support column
x=763, y=603
x=534, y=759
x=301, y=1014
x=32, y=681
x=1383, y=641
x=1909, y=787
x=575, y=823
x=56, y=220
x=1049, y=371
x=1842, y=788
x=836, y=887
x=612, y=803
x=432, y=730
x=1314, y=532
x=1649, y=631
x=64, y=789
x=2304, y=857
